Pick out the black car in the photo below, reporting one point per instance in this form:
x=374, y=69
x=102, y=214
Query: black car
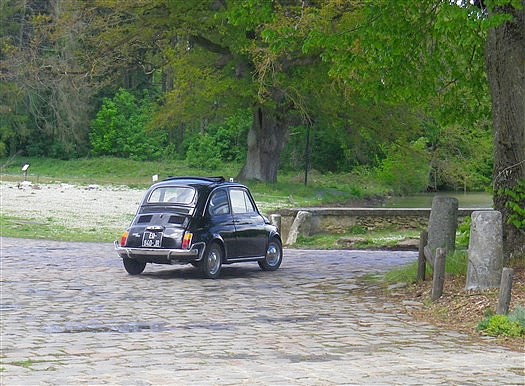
x=206, y=222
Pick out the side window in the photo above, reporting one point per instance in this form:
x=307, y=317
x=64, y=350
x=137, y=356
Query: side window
x=218, y=204
x=240, y=201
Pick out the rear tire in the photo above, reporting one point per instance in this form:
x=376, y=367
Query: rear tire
x=211, y=262
x=274, y=256
x=132, y=266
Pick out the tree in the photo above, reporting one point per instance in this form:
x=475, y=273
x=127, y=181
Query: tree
x=219, y=57
x=431, y=55
x=39, y=62
x=505, y=58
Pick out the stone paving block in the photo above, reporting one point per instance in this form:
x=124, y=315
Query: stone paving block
x=304, y=324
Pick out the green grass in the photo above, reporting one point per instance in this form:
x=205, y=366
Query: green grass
x=356, y=239
x=322, y=189
x=50, y=229
x=456, y=264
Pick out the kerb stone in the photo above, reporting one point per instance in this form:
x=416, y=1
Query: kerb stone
x=301, y=226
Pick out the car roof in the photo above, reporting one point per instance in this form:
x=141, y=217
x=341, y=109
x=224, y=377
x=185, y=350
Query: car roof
x=196, y=182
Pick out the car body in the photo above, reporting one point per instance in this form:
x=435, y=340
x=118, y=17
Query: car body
x=206, y=222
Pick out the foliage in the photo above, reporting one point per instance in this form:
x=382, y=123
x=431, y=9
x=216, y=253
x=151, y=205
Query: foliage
x=119, y=128
x=512, y=325
x=203, y=152
x=460, y=157
x=516, y=205
x=463, y=233
x=44, y=93
x=361, y=75
x=405, y=168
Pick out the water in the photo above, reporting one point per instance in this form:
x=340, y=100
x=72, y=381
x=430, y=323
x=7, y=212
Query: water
x=424, y=200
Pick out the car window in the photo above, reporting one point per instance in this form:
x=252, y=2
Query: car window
x=182, y=195
x=218, y=204
x=240, y=201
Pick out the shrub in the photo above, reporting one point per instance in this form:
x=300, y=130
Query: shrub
x=119, y=128
x=512, y=326
x=405, y=168
x=463, y=233
x=203, y=152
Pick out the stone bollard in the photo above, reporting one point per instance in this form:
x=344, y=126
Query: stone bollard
x=442, y=224
x=485, y=251
x=301, y=226
x=275, y=219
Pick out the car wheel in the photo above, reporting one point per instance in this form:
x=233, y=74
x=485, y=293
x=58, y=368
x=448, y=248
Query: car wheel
x=274, y=256
x=212, y=261
x=133, y=267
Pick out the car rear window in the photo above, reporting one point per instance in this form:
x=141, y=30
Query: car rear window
x=182, y=195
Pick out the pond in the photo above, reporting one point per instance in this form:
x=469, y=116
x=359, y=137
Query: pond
x=424, y=200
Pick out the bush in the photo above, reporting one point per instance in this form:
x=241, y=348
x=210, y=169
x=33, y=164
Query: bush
x=463, y=233
x=203, y=152
x=119, y=129
x=405, y=169
x=512, y=326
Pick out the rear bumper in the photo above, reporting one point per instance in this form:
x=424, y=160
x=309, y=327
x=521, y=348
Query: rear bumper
x=170, y=256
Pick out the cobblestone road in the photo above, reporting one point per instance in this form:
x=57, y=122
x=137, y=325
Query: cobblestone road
x=71, y=315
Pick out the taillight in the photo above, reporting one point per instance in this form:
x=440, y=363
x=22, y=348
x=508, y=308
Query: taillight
x=124, y=239
x=186, y=240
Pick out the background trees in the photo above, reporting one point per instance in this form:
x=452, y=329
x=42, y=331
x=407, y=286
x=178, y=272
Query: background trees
x=397, y=87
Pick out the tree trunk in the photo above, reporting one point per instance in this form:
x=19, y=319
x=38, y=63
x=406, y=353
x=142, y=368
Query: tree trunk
x=266, y=140
x=505, y=60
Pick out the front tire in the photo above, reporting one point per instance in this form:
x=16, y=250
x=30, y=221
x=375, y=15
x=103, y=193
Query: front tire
x=274, y=256
x=133, y=267
x=212, y=261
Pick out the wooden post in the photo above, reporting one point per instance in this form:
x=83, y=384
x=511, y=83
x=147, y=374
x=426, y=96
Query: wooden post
x=438, y=279
x=421, y=266
x=505, y=290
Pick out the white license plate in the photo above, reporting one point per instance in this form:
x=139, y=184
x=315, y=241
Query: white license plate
x=152, y=239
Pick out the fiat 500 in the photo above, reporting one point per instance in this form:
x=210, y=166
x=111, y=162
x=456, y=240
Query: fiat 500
x=206, y=222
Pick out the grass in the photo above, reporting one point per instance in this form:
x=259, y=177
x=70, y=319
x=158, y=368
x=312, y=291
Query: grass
x=456, y=265
x=323, y=188
x=382, y=238
x=50, y=230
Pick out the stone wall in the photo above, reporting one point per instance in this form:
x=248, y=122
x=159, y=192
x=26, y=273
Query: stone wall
x=341, y=220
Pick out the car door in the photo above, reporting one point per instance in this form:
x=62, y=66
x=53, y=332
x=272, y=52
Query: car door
x=250, y=231
x=221, y=220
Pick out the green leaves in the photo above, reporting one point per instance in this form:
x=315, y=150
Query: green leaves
x=119, y=129
x=516, y=204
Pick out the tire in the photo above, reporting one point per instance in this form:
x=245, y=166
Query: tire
x=212, y=261
x=133, y=267
x=274, y=256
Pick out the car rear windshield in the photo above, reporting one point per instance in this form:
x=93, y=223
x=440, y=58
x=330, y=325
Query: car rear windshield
x=181, y=195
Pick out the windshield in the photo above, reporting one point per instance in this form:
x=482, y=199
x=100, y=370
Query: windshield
x=181, y=195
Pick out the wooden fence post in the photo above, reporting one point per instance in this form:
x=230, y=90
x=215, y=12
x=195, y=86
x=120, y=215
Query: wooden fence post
x=505, y=290
x=438, y=279
x=421, y=266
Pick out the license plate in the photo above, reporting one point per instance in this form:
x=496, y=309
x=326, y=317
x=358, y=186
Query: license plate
x=152, y=239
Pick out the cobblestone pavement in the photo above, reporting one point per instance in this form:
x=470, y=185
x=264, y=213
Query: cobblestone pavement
x=71, y=315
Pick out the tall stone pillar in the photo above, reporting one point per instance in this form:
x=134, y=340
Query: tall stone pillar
x=442, y=224
x=485, y=250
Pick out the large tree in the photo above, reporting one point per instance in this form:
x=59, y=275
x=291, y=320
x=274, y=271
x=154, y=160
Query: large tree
x=217, y=57
x=436, y=56
x=505, y=58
